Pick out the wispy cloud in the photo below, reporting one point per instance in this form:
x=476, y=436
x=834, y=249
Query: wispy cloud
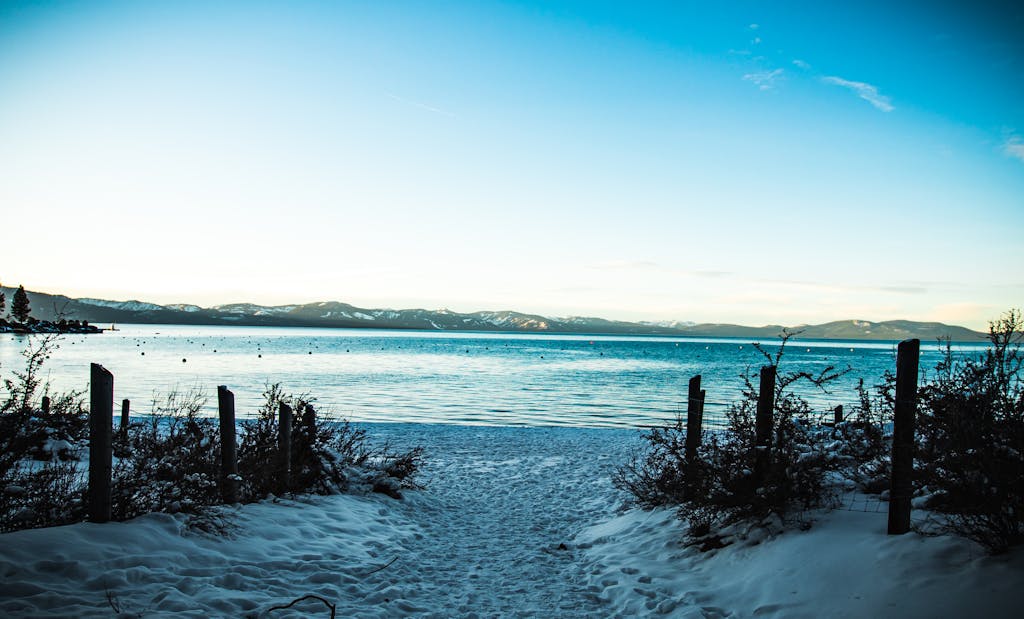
x=754, y=26
x=1014, y=147
x=800, y=64
x=422, y=106
x=864, y=90
x=765, y=80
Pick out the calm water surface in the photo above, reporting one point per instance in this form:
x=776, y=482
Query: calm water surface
x=460, y=378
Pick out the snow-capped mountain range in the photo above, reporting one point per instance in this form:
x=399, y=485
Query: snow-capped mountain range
x=336, y=314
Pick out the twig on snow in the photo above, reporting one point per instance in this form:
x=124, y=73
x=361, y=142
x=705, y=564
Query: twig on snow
x=383, y=567
x=332, y=607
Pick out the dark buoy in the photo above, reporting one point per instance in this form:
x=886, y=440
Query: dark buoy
x=183, y=360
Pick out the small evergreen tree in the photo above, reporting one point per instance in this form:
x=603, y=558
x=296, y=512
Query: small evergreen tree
x=19, y=305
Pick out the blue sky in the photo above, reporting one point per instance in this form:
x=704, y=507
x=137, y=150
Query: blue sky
x=755, y=163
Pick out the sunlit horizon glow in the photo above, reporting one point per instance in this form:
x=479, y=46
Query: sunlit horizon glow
x=743, y=163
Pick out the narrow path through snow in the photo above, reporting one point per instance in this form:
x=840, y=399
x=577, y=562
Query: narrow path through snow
x=498, y=521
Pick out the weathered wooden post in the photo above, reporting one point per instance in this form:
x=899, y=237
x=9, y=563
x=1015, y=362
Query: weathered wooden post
x=901, y=487
x=46, y=405
x=693, y=419
x=763, y=423
x=228, y=448
x=125, y=413
x=284, y=443
x=703, y=398
x=838, y=415
x=101, y=425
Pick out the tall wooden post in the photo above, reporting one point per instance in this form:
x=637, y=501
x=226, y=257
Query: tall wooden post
x=693, y=419
x=46, y=405
x=125, y=413
x=101, y=455
x=703, y=398
x=284, y=443
x=763, y=423
x=901, y=487
x=838, y=419
x=228, y=448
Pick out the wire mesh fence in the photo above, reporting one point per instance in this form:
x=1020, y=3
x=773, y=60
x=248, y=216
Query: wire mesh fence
x=859, y=502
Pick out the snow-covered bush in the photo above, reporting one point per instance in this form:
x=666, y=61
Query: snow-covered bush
x=41, y=480
x=168, y=461
x=327, y=455
x=863, y=441
x=660, y=475
x=970, y=450
x=795, y=477
x=722, y=486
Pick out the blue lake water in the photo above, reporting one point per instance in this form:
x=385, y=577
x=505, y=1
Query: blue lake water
x=457, y=378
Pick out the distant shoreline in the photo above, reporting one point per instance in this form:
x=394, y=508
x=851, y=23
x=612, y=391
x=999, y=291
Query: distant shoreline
x=740, y=339
x=36, y=327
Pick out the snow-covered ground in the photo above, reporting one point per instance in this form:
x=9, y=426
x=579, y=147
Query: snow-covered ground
x=514, y=522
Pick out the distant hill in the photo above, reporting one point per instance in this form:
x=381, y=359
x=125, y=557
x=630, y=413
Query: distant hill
x=336, y=314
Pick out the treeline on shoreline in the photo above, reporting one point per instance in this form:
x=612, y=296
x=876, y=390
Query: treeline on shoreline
x=22, y=321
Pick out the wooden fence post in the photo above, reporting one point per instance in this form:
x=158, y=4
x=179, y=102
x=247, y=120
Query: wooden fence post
x=901, y=486
x=125, y=413
x=763, y=423
x=228, y=447
x=838, y=415
x=703, y=398
x=284, y=443
x=101, y=425
x=46, y=405
x=693, y=419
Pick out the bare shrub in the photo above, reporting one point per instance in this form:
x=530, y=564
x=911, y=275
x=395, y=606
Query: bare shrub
x=169, y=461
x=660, y=475
x=327, y=455
x=970, y=449
x=721, y=487
x=40, y=479
x=864, y=439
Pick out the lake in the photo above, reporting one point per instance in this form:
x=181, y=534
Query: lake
x=447, y=377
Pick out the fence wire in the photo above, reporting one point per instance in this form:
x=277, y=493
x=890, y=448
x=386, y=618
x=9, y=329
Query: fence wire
x=859, y=502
